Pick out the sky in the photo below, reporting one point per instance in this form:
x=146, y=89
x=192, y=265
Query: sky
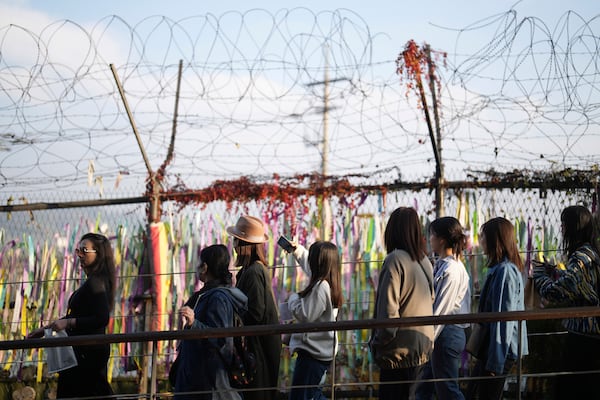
x=391, y=22
x=400, y=20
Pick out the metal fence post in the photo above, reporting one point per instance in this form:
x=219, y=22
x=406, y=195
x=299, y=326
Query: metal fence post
x=153, y=370
x=520, y=359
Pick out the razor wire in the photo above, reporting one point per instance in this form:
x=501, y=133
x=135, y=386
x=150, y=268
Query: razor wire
x=261, y=91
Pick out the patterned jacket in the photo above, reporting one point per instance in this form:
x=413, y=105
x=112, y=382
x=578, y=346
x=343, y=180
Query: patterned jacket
x=577, y=286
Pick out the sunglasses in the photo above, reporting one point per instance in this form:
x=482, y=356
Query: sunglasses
x=84, y=250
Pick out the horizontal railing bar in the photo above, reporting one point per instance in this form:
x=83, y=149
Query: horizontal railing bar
x=258, y=330
x=72, y=204
x=567, y=184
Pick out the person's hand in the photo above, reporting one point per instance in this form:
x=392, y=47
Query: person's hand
x=187, y=316
x=542, y=269
x=35, y=334
x=538, y=272
x=59, y=325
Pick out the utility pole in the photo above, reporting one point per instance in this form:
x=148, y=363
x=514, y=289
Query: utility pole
x=325, y=142
x=326, y=216
x=326, y=205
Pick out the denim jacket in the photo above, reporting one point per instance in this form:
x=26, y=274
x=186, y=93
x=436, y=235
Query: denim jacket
x=503, y=291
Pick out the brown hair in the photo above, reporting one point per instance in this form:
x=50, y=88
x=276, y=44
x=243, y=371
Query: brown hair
x=324, y=262
x=405, y=232
x=248, y=253
x=500, y=242
x=450, y=229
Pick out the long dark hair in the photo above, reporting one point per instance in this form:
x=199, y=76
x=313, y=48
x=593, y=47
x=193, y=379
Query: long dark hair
x=217, y=260
x=501, y=242
x=404, y=231
x=451, y=231
x=324, y=262
x=104, y=264
x=579, y=228
x=248, y=253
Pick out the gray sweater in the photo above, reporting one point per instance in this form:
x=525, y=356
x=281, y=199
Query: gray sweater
x=315, y=307
x=404, y=290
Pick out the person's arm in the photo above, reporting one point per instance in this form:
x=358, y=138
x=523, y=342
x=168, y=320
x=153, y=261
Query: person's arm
x=571, y=287
x=504, y=297
x=301, y=255
x=218, y=314
x=388, y=298
x=93, y=314
x=312, y=306
x=57, y=325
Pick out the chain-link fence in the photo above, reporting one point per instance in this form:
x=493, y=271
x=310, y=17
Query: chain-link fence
x=39, y=270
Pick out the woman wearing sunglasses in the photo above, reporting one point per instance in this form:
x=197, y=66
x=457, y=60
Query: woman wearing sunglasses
x=88, y=314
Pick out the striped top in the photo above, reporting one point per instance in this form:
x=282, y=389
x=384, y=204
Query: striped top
x=577, y=286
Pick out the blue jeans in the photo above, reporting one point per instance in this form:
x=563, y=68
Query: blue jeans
x=444, y=364
x=308, y=371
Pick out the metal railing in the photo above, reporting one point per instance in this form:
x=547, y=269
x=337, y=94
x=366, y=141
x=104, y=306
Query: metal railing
x=155, y=337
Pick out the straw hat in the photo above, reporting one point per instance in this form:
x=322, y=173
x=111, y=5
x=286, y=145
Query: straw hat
x=249, y=229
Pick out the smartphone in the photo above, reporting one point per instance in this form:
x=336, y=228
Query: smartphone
x=285, y=244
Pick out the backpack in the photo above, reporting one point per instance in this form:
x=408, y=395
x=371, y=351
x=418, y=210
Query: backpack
x=241, y=368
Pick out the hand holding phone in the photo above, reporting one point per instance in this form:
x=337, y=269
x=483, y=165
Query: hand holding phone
x=286, y=244
x=543, y=267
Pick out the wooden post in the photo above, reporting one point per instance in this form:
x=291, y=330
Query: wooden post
x=439, y=170
x=153, y=215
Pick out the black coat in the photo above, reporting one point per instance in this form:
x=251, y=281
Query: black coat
x=255, y=282
x=90, y=306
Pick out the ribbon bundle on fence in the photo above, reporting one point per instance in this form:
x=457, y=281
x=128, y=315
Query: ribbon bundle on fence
x=37, y=278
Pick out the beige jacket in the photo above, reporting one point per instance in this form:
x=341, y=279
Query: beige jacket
x=405, y=289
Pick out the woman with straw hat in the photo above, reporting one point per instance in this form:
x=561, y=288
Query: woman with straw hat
x=255, y=281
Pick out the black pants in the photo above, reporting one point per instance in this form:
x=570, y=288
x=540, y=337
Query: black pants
x=398, y=390
x=83, y=382
x=490, y=388
x=580, y=353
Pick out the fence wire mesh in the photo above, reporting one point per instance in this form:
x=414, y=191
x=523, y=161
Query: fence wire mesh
x=39, y=269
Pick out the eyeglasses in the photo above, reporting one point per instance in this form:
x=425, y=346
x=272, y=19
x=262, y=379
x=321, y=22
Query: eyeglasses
x=84, y=250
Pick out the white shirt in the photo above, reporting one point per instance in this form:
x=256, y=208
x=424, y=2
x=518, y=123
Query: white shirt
x=452, y=290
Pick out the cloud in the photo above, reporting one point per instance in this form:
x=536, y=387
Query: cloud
x=30, y=38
